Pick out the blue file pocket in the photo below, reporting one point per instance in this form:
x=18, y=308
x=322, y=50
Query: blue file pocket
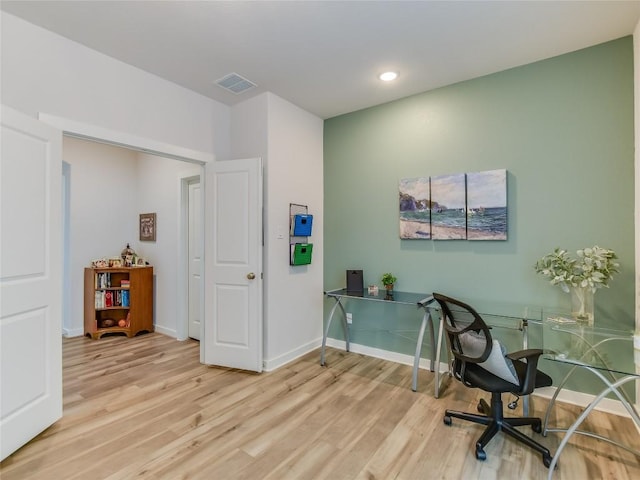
x=302, y=225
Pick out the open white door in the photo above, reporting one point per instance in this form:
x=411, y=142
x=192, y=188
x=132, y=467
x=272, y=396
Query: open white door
x=233, y=259
x=30, y=279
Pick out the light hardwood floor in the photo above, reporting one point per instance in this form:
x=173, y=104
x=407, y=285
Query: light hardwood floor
x=146, y=408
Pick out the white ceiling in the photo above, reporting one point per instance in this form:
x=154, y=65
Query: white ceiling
x=325, y=56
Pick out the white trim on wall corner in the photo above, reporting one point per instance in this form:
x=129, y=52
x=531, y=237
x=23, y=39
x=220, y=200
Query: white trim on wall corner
x=636, y=216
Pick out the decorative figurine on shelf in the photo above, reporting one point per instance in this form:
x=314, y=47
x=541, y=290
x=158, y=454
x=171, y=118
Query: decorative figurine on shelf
x=100, y=263
x=127, y=255
x=115, y=262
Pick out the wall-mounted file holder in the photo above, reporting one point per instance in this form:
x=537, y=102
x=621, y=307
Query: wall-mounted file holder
x=301, y=253
x=300, y=226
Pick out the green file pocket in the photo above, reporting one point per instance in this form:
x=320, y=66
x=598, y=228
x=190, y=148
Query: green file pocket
x=301, y=253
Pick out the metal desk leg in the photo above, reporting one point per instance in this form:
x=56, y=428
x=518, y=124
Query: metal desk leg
x=326, y=330
x=437, y=359
x=525, y=345
x=611, y=387
x=426, y=319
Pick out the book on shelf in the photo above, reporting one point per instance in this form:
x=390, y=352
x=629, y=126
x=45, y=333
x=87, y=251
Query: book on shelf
x=108, y=298
x=99, y=300
x=103, y=280
x=124, y=283
x=125, y=298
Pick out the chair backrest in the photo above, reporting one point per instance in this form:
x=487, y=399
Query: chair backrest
x=468, y=335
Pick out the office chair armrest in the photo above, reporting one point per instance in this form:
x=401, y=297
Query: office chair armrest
x=520, y=354
x=531, y=355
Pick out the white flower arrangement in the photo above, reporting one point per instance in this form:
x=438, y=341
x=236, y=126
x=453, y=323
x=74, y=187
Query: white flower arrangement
x=593, y=268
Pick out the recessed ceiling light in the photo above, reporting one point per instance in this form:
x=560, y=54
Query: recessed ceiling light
x=388, y=76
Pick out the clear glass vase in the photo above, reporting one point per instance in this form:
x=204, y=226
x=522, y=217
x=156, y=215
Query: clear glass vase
x=582, y=304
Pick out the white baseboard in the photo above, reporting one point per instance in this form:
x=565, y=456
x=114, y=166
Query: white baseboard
x=165, y=331
x=271, y=364
x=72, y=332
x=383, y=354
x=607, y=405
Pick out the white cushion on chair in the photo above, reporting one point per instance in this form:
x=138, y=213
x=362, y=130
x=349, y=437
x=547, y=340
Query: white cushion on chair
x=473, y=346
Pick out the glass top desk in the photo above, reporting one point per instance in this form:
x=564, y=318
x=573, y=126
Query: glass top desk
x=418, y=300
x=511, y=316
x=607, y=354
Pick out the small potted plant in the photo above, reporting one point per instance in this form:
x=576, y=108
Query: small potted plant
x=388, y=280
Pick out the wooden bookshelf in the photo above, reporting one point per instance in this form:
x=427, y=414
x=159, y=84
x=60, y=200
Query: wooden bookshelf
x=118, y=301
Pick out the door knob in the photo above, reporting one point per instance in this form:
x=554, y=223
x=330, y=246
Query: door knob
x=251, y=276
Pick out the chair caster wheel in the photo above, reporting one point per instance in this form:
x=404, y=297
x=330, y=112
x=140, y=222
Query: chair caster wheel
x=480, y=408
x=547, y=459
x=447, y=420
x=537, y=427
x=480, y=454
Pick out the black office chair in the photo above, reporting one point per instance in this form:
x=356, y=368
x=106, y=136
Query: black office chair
x=479, y=362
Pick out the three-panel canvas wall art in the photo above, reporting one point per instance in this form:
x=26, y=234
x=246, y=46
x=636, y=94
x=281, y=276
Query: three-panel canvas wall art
x=464, y=206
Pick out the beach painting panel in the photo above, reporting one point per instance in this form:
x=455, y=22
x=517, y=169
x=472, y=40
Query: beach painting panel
x=415, y=208
x=487, y=205
x=448, y=207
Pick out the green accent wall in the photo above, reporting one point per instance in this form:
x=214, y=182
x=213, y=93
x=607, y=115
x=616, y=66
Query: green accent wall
x=563, y=130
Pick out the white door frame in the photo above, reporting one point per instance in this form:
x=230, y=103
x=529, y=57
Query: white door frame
x=66, y=258
x=182, y=329
x=86, y=131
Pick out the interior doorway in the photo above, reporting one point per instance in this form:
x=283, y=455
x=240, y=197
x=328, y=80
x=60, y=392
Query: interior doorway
x=191, y=248
x=184, y=161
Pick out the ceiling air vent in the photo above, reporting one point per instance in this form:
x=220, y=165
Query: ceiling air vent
x=235, y=83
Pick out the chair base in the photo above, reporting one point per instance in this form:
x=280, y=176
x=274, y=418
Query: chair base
x=495, y=421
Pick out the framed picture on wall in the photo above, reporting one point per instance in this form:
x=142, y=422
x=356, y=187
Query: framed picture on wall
x=448, y=207
x=147, y=227
x=487, y=205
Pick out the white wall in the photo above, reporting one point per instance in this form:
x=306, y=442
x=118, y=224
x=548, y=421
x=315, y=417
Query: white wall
x=110, y=187
x=158, y=190
x=636, y=78
x=289, y=140
x=103, y=192
x=295, y=175
x=44, y=72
